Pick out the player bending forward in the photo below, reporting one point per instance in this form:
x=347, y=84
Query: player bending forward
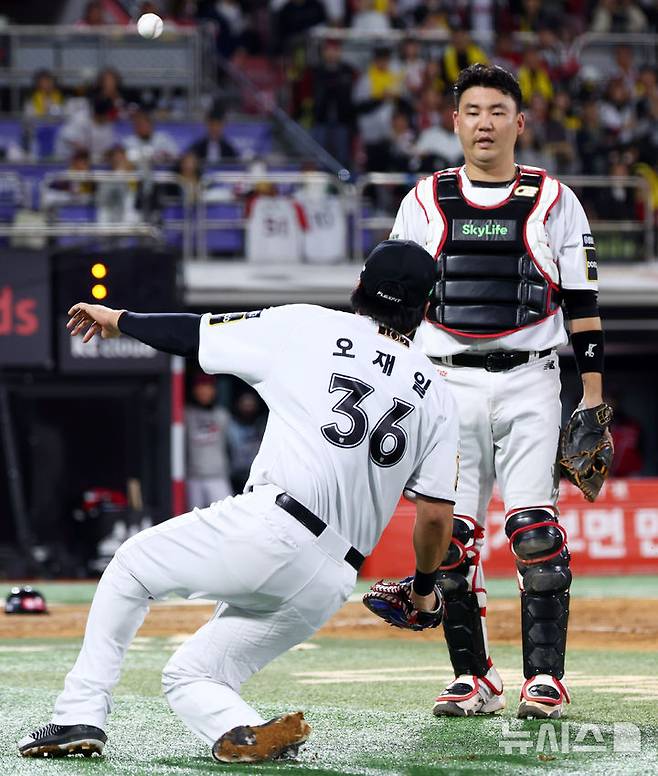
x=356, y=416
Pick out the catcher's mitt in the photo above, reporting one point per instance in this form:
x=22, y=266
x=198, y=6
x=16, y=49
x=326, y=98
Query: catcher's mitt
x=392, y=602
x=586, y=449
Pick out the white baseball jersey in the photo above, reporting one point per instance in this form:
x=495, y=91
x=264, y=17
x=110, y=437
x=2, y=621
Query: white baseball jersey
x=275, y=230
x=357, y=412
x=564, y=241
x=325, y=237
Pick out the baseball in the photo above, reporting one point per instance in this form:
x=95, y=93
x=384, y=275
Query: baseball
x=150, y=26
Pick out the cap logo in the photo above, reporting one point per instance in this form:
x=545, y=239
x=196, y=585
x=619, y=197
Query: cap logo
x=390, y=298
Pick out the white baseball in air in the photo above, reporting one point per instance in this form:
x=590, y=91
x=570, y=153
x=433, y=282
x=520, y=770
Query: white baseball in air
x=150, y=25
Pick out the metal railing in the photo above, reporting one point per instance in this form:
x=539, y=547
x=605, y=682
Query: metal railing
x=247, y=181
x=644, y=229
x=637, y=238
x=181, y=58
x=146, y=179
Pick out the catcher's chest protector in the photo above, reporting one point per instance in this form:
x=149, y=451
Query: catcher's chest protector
x=496, y=271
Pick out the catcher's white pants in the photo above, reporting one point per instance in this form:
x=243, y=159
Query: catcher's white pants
x=509, y=427
x=277, y=584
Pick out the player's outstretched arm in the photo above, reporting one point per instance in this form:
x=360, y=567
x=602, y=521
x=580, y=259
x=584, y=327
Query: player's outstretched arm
x=175, y=333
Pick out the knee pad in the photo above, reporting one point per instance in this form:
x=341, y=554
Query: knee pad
x=548, y=578
x=464, y=543
x=535, y=536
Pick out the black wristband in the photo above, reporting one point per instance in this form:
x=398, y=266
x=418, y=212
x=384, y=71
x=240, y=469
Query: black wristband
x=588, y=350
x=423, y=584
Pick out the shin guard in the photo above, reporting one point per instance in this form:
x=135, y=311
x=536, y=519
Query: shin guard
x=538, y=543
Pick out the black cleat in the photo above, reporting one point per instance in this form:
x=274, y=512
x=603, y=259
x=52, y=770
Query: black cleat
x=277, y=739
x=53, y=740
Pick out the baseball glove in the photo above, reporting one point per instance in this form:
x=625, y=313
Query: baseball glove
x=586, y=449
x=392, y=602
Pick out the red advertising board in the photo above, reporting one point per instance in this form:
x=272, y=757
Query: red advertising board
x=616, y=534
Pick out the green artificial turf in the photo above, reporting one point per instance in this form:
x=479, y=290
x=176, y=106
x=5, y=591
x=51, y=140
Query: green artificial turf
x=369, y=703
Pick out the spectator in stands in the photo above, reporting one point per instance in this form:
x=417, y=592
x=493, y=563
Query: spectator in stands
x=412, y=67
x=625, y=67
x=375, y=95
x=189, y=168
x=147, y=145
x=618, y=113
x=533, y=76
x=230, y=21
x=506, y=53
x=108, y=87
x=94, y=15
x=244, y=434
x=460, y=53
x=297, y=17
x=530, y=151
x=401, y=142
x=428, y=108
x=206, y=428
x=117, y=202
x=46, y=99
x=62, y=191
x=534, y=15
x=95, y=133
x=369, y=18
x=330, y=103
x=647, y=115
x=592, y=141
x=437, y=146
x=617, y=202
x=214, y=147
x=618, y=16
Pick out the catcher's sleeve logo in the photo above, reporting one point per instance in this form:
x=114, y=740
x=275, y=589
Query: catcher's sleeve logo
x=591, y=265
x=215, y=320
x=590, y=350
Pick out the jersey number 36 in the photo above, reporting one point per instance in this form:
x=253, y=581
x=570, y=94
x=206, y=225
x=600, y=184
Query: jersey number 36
x=388, y=440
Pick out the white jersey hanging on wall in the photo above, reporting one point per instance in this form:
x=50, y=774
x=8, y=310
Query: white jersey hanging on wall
x=325, y=238
x=275, y=229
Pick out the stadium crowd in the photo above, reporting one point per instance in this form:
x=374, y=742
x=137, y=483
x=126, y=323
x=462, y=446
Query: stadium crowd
x=388, y=106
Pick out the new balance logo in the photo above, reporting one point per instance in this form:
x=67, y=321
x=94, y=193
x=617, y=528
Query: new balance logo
x=590, y=350
x=549, y=365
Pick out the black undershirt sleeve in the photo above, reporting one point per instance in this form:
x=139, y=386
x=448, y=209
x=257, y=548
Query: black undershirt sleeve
x=580, y=304
x=175, y=333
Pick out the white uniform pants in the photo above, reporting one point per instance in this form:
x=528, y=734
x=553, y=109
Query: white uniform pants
x=509, y=425
x=277, y=584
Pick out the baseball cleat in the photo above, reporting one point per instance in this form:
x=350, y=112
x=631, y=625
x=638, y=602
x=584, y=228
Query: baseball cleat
x=53, y=740
x=469, y=695
x=278, y=738
x=543, y=697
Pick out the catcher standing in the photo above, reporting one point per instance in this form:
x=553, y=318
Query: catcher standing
x=514, y=254
x=356, y=415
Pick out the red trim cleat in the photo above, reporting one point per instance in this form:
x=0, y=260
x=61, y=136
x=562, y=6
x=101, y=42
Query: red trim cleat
x=469, y=695
x=543, y=697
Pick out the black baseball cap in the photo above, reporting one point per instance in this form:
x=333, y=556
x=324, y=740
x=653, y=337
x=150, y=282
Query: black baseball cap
x=399, y=272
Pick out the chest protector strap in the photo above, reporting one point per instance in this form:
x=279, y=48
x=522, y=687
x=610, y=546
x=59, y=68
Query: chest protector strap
x=489, y=280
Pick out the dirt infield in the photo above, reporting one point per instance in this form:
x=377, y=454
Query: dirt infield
x=616, y=623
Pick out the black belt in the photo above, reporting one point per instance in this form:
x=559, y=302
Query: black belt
x=314, y=525
x=495, y=361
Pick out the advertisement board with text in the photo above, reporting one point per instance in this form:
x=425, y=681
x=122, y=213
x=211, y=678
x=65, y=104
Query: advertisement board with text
x=617, y=534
